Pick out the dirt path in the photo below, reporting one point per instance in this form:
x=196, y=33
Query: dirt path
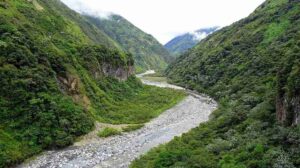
x=119, y=151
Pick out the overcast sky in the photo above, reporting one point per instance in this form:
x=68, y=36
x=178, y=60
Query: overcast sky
x=165, y=19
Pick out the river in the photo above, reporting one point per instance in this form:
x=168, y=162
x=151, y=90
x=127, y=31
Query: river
x=119, y=151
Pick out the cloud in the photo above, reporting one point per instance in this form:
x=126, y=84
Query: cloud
x=82, y=8
x=198, y=36
x=202, y=33
x=165, y=19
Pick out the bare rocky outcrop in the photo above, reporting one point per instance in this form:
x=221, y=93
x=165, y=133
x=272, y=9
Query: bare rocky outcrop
x=119, y=72
x=70, y=85
x=295, y=106
x=36, y=5
x=288, y=97
x=281, y=112
x=288, y=110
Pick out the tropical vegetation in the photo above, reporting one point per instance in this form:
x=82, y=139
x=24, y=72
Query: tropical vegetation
x=253, y=69
x=58, y=75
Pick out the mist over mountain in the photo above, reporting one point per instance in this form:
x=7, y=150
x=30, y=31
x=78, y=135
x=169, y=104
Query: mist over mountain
x=80, y=7
x=182, y=43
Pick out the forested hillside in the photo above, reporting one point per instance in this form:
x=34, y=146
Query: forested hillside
x=58, y=75
x=148, y=53
x=253, y=69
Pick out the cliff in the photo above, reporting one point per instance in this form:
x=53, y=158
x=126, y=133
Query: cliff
x=288, y=94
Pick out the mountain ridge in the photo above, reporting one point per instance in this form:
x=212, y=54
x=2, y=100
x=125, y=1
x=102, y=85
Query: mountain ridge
x=182, y=43
x=147, y=51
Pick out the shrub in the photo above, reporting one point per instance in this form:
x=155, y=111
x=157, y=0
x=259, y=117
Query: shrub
x=219, y=145
x=283, y=161
x=132, y=127
x=108, y=131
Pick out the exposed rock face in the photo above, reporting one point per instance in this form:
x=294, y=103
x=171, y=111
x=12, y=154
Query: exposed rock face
x=295, y=108
x=121, y=73
x=288, y=110
x=36, y=5
x=288, y=99
x=281, y=109
x=99, y=70
x=70, y=85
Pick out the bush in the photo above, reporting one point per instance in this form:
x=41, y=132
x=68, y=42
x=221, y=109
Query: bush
x=108, y=131
x=283, y=161
x=132, y=127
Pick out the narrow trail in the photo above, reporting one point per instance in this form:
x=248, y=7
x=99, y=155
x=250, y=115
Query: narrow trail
x=119, y=151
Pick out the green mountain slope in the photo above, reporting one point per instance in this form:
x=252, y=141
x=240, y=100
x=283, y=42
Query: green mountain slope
x=58, y=75
x=95, y=35
x=253, y=69
x=147, y=51
x=49, y=93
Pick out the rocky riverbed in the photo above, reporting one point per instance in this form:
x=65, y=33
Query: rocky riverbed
x=119, y=151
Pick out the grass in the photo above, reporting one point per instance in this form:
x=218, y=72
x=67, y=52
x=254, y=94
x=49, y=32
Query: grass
x=275, y=30
x=155, y=78
x=146, y=104
x=134, y=127
x=108, y=131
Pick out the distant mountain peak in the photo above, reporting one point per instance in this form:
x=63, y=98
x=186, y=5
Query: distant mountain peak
x=202, y=33
x=182, y=43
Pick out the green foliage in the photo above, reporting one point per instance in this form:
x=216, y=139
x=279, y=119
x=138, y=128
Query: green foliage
x=137, y=104
x=108, y=131
x=102, y=54
x=134, y=127
x=246, y=67
x=13, y=149
x=53, y=84
x=275, y=30
x=147, y=51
